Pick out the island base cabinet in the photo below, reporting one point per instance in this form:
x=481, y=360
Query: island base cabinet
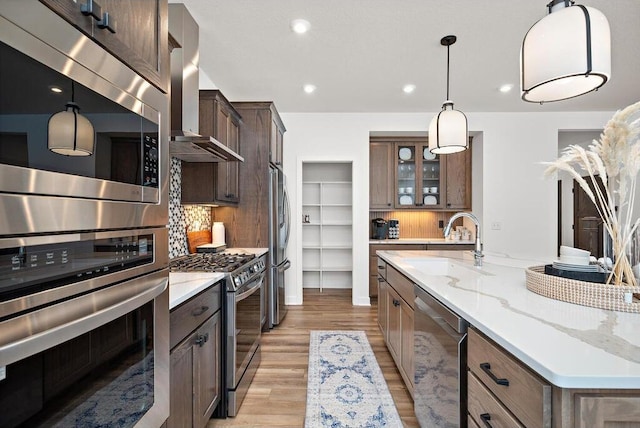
x=532, y=401
x=484, y=409
x=525, y=394
x=596, y=408
x=383, y=295
x=395, y=318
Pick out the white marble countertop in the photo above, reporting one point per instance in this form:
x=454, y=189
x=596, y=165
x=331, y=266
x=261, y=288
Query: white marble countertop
x=572, y=346
x=185, y=285
x=419, y=241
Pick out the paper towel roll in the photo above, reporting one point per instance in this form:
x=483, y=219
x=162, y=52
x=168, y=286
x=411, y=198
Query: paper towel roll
x=217, y=233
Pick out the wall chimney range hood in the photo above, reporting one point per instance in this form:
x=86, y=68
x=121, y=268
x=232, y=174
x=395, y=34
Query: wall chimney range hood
x=185, y=143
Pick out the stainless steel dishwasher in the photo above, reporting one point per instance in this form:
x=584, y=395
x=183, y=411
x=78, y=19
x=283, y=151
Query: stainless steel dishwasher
x=440, y=346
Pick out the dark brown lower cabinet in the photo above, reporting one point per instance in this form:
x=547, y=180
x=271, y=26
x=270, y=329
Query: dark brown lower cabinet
x=196, y=385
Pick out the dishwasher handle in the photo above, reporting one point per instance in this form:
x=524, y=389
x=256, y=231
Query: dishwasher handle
x=436, y=310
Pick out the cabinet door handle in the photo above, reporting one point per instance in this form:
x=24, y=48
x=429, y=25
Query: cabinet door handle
x=92, y=9
x=202, y=339
x=389, y=204
x=201, y=310
x=107, y=22
x=486, y=367
x=486, y=417
x=396, y=302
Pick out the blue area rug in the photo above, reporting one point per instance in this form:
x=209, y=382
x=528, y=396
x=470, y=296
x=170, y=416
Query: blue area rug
x=346, y=387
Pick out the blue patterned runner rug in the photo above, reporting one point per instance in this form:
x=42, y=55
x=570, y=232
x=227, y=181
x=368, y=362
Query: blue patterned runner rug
x=346, y=387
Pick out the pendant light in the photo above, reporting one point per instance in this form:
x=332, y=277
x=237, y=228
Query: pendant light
x=565, y=54
x=448, y=130
x=70, y=133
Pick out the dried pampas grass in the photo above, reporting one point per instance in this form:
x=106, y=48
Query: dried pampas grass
x=612, y=164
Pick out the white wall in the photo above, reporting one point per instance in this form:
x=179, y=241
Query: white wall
x=565, y=139
x=514, y=192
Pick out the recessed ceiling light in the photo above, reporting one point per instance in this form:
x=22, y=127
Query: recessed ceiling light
x=300, y=26
x=506, y=88
x=309, y=88
x=55, y=89
x=409, y=88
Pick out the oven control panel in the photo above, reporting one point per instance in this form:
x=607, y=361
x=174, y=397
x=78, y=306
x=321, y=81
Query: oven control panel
x=28, y=268
x=248, y=272
x=150, y=175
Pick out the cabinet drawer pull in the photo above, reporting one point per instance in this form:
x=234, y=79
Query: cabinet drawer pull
x=486, y=367
x=107, y=22
x=486, y=417
x=91, y=8
x=201, y=310
x=396, y=302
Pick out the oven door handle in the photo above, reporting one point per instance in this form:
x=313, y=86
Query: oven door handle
x=37, y=331
x=258, y=282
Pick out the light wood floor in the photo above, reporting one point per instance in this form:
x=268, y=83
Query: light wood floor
x=278, y=393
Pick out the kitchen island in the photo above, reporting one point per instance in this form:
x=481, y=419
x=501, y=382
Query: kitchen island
x=408, y=244
x=589, y=357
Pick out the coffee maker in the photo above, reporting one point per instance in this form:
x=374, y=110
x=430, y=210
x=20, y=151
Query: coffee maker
x=378, y=228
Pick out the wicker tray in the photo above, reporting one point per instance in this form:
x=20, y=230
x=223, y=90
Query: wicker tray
x=611, y=297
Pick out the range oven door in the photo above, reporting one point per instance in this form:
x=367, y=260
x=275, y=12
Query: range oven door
x=100, y=359
x=244, y=325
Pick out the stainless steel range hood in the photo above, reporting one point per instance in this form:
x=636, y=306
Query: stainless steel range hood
x=197, y=148
x=186, y=144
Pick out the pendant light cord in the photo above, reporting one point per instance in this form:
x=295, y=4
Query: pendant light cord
x=448, y=73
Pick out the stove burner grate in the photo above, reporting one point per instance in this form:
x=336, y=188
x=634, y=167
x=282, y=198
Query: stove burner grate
x=210, y=262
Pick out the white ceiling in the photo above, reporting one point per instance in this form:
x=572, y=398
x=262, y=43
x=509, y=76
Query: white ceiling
x=360, y=53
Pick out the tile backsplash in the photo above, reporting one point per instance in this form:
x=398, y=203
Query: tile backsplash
x=183, y=217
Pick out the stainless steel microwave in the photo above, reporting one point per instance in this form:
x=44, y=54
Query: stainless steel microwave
x=46, y=63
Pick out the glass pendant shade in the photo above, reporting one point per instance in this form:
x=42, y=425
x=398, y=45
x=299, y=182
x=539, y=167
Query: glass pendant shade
x=448, y=131
x=566, y=54
x=70, y=133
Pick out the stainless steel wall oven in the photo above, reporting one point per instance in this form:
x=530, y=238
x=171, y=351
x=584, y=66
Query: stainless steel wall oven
x=83, y=240
x=84, y=329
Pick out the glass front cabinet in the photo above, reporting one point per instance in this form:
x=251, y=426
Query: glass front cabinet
x=419, y=177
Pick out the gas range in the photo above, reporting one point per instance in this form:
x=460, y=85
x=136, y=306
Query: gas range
x=241, y=268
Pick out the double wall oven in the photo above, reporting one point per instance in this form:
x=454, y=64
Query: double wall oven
x=83, y=240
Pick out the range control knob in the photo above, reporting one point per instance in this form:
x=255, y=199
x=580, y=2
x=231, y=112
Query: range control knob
x=237, y=280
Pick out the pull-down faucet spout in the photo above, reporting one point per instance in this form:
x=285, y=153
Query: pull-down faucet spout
x=477, y=253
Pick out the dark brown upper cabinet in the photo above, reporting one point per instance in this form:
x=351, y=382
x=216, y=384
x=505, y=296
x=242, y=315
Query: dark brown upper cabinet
x=134, y=31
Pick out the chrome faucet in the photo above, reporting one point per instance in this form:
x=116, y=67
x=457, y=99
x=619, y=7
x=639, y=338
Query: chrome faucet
x=477, y=253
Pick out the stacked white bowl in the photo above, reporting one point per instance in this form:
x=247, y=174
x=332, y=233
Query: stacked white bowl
x=574, y=256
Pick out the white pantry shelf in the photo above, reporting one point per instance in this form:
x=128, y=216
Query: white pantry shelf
x=327, y=216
